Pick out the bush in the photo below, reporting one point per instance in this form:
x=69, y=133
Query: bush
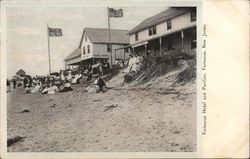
x=187, y=75
x=128, y=78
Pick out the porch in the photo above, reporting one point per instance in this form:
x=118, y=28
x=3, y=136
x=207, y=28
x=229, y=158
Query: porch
x=183, y=42
x=86, y=63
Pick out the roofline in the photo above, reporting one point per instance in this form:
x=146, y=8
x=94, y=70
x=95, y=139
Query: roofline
x=71, y=53
x=81, y=39
x=108, y=43
x=106, y=29
x=71, y=58
x=127, y=46
x=138, y=30
x=98, y=42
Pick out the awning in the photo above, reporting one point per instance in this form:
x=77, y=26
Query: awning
x=140, y=44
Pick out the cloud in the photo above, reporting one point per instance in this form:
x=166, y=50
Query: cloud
x=26, y=31
x=70, y=17
x=28, y=57
x=65, y=16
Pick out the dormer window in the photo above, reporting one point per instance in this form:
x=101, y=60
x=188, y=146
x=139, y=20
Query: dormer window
x=152, y=30
x=169, y=24
x=193, y=15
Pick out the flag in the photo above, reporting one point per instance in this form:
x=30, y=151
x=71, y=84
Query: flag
x=55, y=31
x=115, y=13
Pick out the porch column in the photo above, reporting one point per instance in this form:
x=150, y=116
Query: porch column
x=93, y=61
x=146, y=50
x=160, y=46
x=182, y=41
x=115, y=54
x=124, y=53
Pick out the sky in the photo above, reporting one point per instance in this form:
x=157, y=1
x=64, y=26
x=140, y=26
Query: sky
x=26, y=32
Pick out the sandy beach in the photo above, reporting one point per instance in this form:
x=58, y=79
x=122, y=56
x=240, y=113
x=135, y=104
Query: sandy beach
x=122, y=119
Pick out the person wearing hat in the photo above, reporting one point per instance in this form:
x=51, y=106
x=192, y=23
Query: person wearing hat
x=8, y=86
x=101, y=84
x=14, y=83
x=65, y=87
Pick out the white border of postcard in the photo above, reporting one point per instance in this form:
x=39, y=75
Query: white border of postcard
x=95, y=3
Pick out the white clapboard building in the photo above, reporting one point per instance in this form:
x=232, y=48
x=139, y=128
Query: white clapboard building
x=94, y=47
x=173, y=30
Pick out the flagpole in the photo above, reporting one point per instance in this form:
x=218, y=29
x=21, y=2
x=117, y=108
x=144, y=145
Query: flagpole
x=48, y=48
x=110, y=49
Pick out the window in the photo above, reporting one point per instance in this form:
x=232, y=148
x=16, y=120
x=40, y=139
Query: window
x=152, y=30
x=136, y=36
x=88, y=49
x=193, y=15
x=193, y=44
x=83, y=50
x=169, y=24
x=108, y=48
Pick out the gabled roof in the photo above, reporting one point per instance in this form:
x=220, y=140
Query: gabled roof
x=159, y=18
x=74, y=54
x=100, y=35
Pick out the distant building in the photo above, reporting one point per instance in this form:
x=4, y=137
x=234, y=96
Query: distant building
x=94, y=47
x=21, y=73
x=171, y=31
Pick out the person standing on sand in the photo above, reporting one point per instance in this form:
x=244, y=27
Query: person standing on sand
x=14, y=83
x=101, y=68
x=25, y=81
x=8, y=86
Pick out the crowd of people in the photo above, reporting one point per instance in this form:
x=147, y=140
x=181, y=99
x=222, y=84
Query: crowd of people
x=61, y=82
x=47, y=85
x=134, y=64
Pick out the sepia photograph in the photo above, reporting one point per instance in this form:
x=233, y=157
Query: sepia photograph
x=101, y=79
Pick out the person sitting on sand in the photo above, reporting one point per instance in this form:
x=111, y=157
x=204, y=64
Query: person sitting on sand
x=65, y=87
x=75, y=80
x=62, y=76
x=44, y=89
x=52, y=89
x=35, y=88
x=69, y=77
x=51, y=79
x=27, y=89
x=101, y=84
